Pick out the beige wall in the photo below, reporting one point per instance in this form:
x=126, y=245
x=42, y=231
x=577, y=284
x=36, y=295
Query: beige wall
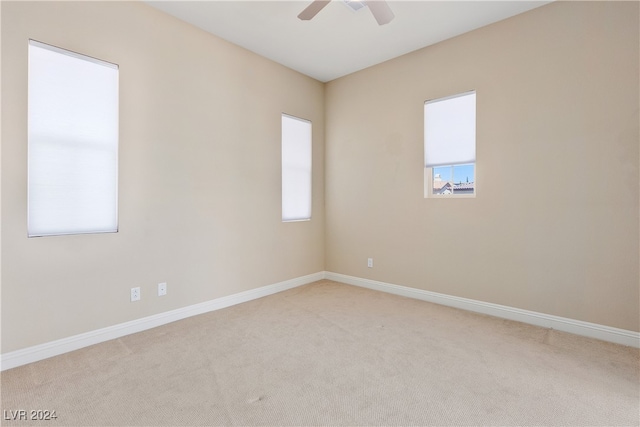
x=554, y=229
x=199, y=199
x=554, y=226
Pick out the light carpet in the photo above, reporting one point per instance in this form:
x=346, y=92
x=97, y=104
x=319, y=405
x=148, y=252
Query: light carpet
x=333, y=354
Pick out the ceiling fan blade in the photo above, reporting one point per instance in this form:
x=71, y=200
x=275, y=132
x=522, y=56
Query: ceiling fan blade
x=381, y=11
x=311, y=10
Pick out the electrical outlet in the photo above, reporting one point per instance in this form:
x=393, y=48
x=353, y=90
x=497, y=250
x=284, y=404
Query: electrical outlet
x=135, y=294
x=370, y=262
x=162, y=289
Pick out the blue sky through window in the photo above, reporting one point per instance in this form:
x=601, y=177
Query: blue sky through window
x=461, y=173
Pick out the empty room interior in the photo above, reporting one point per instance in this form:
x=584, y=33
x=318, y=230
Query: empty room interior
x=396, y=294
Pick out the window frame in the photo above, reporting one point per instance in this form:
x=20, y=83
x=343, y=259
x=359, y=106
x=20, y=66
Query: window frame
x=41, y=138
x=429, y=170
x=428, y=184
x=290, y=218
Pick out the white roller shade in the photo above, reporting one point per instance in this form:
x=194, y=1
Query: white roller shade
x=296, y=169
x=73, y=143
x=450, y=130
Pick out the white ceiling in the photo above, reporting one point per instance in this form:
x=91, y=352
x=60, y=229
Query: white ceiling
x=338, y=41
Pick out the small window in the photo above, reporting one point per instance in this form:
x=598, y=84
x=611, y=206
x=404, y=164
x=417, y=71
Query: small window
x=72, y=143
x=296, y=169
x=450, y=146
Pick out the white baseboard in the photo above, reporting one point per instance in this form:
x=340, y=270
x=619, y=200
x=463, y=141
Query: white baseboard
x=591, y=330
x=43, y=351
x=64, y=345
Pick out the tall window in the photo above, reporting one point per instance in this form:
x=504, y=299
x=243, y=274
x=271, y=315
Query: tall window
x=296, y=169
x=450, y=146
x=73, y=143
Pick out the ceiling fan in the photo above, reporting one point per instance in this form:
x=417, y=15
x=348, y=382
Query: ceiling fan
x=379, y=8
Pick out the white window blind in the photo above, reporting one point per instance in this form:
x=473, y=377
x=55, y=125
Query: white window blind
x=73, y=143
x=450, y=130
x=296, y=169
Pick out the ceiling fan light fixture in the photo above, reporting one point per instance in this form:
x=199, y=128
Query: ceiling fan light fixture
x=379, y=8
x=354, y=5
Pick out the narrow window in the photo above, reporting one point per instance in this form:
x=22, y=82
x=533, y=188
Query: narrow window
x=450, y=146
x=296, y=169
x=72, y=143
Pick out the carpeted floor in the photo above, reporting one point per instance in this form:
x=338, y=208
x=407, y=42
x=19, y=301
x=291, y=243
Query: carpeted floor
x=333, y=354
